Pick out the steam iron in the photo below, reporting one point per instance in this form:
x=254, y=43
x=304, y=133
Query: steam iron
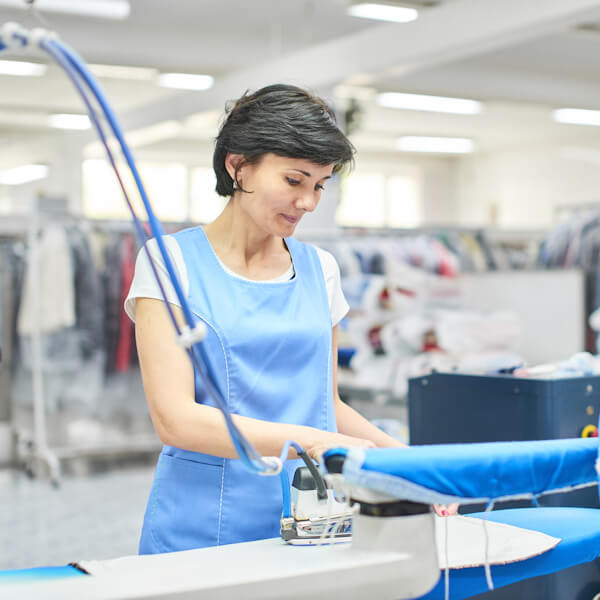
x=317, y=514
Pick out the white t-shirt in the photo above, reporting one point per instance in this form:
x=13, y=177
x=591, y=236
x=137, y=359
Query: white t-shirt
x=144, y=284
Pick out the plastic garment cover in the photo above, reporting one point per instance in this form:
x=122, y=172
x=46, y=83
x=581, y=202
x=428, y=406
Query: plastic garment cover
x=468, y=473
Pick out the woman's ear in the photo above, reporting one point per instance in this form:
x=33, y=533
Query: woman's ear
x=232, y=163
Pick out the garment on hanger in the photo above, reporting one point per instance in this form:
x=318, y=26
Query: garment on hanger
x=89, y=307
x=49, y=281
x=123, y=355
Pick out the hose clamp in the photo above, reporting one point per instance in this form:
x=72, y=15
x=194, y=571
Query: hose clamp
x=274, y=468
x=188, y=337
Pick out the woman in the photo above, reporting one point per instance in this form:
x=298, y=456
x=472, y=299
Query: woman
x=271, y=305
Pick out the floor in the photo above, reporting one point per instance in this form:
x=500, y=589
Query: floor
x=87, y=517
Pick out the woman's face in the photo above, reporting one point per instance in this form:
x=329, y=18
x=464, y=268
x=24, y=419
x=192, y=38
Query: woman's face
x=284, y=190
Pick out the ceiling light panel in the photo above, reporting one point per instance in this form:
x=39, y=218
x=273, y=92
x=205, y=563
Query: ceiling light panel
x=444, y=145
x=459, y=106
x=23, y=174
x=185, y=81
x=103, y=9
x=383, y=12
x=21, y=68
x=69, y=121
x=577, y=116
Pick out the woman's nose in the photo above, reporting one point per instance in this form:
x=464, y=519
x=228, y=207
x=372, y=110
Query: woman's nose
x=307, y=202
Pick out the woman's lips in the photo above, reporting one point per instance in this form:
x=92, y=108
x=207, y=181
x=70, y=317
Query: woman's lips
x=290, y=219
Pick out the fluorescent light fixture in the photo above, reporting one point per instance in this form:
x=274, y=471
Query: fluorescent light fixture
x=446, y=145
x=123, y=72
x=66, y=121
x=577, y=116
x=458, y=106
x=185, y=81
x=21, y=68
x=383, y=12
x=104, y=9
x=23, y=174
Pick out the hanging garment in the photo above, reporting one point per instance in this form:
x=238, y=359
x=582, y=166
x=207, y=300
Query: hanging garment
x=269, y=348
x=112, y=300
x=123, y=358
x=89, y=305
x=50, y=277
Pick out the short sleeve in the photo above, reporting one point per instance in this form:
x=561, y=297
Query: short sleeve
x=338, y=306
x=144, y=284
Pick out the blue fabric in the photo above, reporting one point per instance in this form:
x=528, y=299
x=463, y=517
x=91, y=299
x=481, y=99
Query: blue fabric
x=269, y=348
x=471, y=472
x=345, y=356
x=39, y=573
x=578, y=528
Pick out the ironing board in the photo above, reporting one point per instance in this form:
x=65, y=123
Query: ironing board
x=470, y=472
x=578, y=529
x=475, y=473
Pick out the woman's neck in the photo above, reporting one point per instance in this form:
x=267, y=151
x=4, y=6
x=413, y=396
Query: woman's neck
x=242, y=245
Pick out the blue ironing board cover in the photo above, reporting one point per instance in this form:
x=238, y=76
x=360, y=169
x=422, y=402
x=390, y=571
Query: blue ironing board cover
x=469, y=473
x=578, y=529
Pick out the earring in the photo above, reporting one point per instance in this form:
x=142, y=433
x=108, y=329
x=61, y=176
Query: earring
x=235, y=185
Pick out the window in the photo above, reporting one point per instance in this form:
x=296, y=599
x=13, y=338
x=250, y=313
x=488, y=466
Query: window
x=165, y=184
x=363, y=201
x=404, y=207
x=205, y=204
x=377, y=200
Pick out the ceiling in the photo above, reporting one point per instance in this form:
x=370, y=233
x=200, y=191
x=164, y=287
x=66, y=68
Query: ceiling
x=521, y=61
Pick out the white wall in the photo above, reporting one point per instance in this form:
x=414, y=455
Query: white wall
x=63, y=155
x=436, y=178
x=524, y=188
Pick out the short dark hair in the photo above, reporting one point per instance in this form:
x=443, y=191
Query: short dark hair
x=284, y=120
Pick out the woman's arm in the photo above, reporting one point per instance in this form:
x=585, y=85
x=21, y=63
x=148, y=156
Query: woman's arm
x=350, y=422
x=168, y=379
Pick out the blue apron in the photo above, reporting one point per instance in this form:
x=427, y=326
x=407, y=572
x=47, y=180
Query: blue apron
x=269, y=348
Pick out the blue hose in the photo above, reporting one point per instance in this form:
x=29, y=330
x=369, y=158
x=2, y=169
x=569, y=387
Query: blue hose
x=81, y=77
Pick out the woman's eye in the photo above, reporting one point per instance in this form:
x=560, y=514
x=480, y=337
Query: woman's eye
x=319, y=187
x=293, y=181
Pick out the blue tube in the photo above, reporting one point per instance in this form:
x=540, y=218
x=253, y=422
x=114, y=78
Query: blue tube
x=141, y=233
x=77, y=71
x=285, y=493
x=76, y=64
x=155, y=225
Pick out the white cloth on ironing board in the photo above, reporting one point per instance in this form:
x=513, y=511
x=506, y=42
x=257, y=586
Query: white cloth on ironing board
x=466, y=548
x=505, y=543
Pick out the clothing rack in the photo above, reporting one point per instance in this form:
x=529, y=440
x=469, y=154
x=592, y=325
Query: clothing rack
x=342, y=233
x=563, y=212
x=33, y=451
x=38, y=455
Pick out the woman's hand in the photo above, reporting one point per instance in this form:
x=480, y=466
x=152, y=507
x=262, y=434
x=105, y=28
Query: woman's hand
x=443, y=510
x=335, y=440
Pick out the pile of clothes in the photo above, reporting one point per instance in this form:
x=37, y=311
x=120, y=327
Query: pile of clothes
x=410, y=322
